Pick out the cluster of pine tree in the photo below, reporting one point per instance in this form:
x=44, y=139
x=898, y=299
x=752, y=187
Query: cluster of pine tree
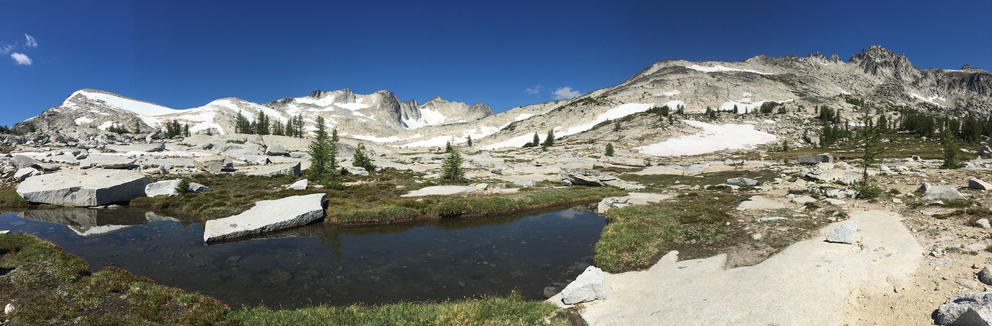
x=968, y=129
x=263, y=125
x=117, y=129
x=549, y=140
x=23, y=129
x=174, y=129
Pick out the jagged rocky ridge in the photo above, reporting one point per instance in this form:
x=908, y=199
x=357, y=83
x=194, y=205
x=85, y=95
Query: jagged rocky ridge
x=876, y=74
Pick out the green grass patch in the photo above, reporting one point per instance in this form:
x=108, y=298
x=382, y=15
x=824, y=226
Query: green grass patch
x=898, y=146
x=10, y=199
x=695, y=224
x=236, y=193
x=48, y=286
x=344, y=211
x=489, y=311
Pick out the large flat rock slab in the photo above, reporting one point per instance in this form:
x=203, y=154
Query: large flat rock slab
x=94, y=187
x=267, y=216
x=806, y=284
x=441, y=191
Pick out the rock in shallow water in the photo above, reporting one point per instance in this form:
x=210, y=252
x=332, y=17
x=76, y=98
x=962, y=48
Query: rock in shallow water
x=267, y=216
x=83, y=189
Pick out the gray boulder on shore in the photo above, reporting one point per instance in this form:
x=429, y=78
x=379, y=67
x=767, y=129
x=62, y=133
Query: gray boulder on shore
x=292, y=169
x=743, y=182
x=843, y=233
x=267, y=216
x=589, y=286
x=83, y=189
x=815, y=158
x=978, y=184
x=25, y=173
x=966, y=309
x=163, y=188
x=941, y=193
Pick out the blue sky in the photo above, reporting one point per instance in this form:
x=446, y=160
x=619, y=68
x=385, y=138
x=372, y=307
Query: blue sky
x=504, y=53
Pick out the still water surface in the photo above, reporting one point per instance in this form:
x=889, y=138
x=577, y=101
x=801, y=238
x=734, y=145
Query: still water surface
x=322, y=264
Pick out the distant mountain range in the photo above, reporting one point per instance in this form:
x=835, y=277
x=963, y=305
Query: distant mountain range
x=876, y=74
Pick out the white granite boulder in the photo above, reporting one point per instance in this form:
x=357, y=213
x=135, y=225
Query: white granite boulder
x=292, y=169
x=213, y=164
x=90, y=188
x=978, y=184
x=25, y=173
x=107, y=161
x=743, y=182
x=843, y=233
x=198, y=188
x=589, y=286
x=441, y=191
x=267, y=216
x=163, y=188
x=276, y=150
x=299, y=185
x=942, y=193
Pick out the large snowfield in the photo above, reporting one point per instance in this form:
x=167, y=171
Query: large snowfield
x=713, y=138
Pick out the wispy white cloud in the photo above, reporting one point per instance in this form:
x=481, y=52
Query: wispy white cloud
x=29, y=41
x=564, y=93
x=21, y=58
x=6, y=48
x=533, y=90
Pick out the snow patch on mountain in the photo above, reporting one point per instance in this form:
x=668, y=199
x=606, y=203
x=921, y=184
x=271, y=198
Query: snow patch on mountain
x=321, y=102
x=517, y=141
x=83, y=120
x=437, y=141
x=722, y=68
x=358, y=105
x=120, y=103
x=932, y=99
x=713, y=138
x=671, y=92
x=618, y=112
x=674, y=104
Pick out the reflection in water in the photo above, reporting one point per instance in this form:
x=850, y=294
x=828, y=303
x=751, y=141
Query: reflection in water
x=92, y=222
x=322, y=264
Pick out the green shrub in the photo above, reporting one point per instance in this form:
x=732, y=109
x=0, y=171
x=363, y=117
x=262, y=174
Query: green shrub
x=868, y=191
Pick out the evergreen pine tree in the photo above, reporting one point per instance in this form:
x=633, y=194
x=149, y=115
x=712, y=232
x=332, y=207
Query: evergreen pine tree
x=951, y=160
x=470, y=141
x=360, y=159
x=609, y=149
x=451, y=170
x=883, y=122
x=735, y=109
x=549, y=140
x=448, y=148
x=319, y=152
x=871, y=144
